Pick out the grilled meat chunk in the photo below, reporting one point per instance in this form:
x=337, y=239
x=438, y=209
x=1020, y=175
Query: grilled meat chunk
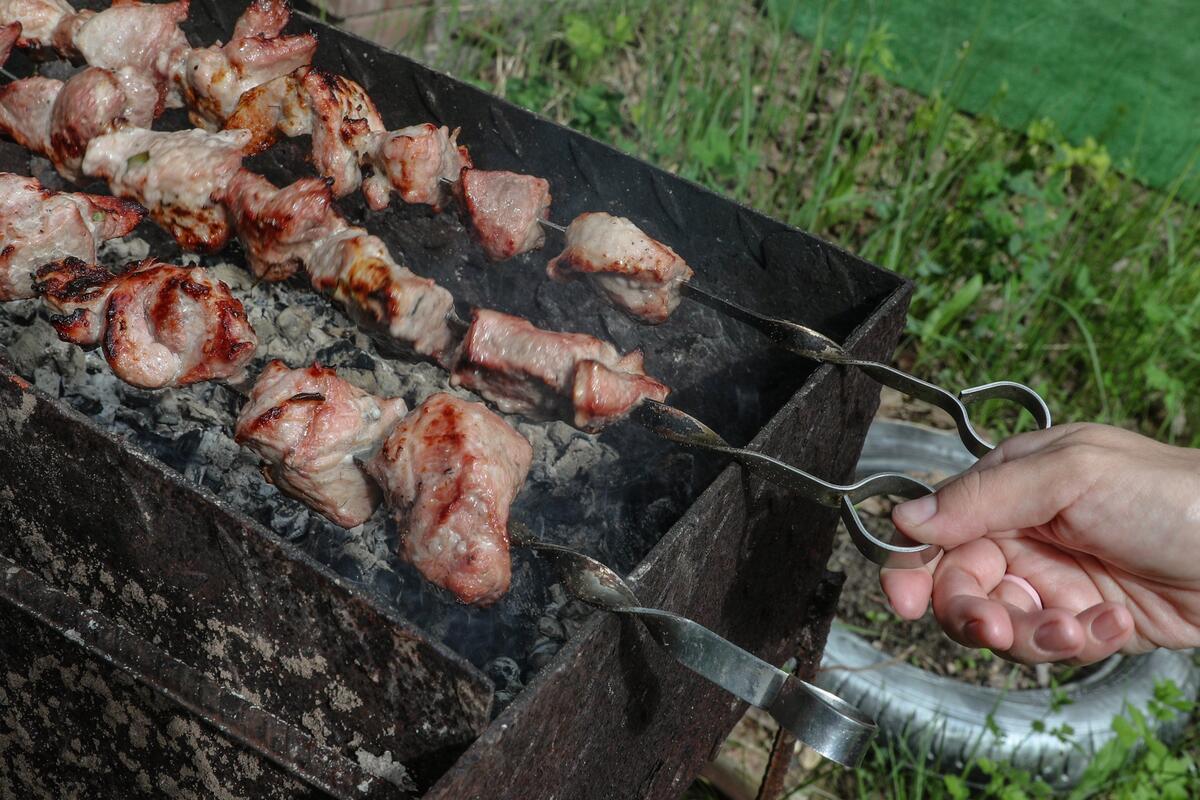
x=26, y=106
x=356, y=269
x=146, y=36
x=345, y=125
x=450, y=471
x=38, y=20
x=159, y=325
x=309, y=425
x=38, y=226
x=504, y=208
x=636, y=273
x=528, y=371
x=179, y=176
x=421, y=161
x=8, y=38
x=213, y=79
x=602, y=396
x=281, y=229
x=58, y=120
x=349, y=140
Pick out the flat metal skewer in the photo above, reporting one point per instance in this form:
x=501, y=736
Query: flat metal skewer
x=809, y=343
x=820, y=719
x=901, y=553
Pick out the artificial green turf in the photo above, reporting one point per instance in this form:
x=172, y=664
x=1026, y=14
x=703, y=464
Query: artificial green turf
x=1126, y=72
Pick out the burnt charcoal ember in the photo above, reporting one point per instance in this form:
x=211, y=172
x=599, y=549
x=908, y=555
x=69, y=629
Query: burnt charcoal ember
x=506, y=675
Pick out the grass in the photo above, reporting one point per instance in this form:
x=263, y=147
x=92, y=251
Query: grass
x=1035, y=260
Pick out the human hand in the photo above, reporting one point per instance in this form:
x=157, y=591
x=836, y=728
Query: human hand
x=1103, y=524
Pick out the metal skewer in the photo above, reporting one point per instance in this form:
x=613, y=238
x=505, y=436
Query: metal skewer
x=807, y=342
x=902, y=553
x=820, y=719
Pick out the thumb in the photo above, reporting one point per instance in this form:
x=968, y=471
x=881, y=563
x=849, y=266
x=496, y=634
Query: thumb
x=1024, y=493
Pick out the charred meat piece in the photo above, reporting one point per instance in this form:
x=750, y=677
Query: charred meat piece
x=8, y=37
x=159, y=325
x=345, y=125
x=636, y=273
x=602, y=396
x=214, y=79
x=38, y=20
x=450, y=471
x=145, y=36
x=58, y=120
x=504, y=208
x=309, y=425
x=179, y=176
x=529, y=371
x=26, y=106
x=355, y=268
x=421, y=161
x=281, y=229
x=38, y=226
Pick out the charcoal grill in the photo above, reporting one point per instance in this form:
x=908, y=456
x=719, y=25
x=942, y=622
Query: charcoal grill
x=156, y=638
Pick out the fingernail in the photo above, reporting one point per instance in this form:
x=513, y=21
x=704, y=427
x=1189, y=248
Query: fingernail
x=915, y=512
x=1052, y=637
x=1107, y=626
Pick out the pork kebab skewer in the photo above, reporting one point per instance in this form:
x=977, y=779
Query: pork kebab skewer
x=157, y=325
x=260, y=81
x=448, y=471
x=538, y=373
x=583, y=385
x=193, y=185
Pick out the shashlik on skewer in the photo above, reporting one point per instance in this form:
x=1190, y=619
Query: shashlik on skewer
x=635, y=272
x=158, y=325
x=449, y=469
x=147, y=37
x=260, y=81
x=38, y=226
x=298, y=225
x=541, y=374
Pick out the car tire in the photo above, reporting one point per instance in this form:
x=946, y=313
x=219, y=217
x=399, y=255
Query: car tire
x=950, y=723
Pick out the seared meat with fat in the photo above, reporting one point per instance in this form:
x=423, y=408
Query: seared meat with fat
x=529, y=371
x=159, y=325
x=179, y=176
x=38, y=226
x=602, y=396
x=349, y=140
x=213, y=79
x=8, y=37
x=309, y=426
x=504, y=208
x=450, y=471
x=356, y=269
x=281, y=229
x=421, y=162
x=144, y=36
x=637, y=273
x=58, y=120
x=342, y=118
